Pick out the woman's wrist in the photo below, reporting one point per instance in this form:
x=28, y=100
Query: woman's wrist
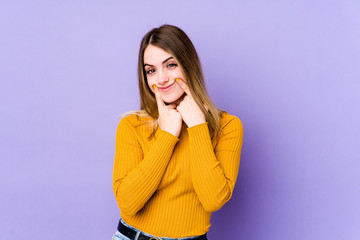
x=196, y=123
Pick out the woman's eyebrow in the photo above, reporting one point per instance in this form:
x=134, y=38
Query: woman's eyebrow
x=167, y=60
x=162, y=62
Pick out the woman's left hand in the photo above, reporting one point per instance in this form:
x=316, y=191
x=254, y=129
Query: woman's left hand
x=188, y=108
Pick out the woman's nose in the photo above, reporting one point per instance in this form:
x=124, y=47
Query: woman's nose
x=163, y=78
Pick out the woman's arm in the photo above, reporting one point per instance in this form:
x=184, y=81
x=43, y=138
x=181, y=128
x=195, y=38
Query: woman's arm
x=135, y=177
x=214, y=172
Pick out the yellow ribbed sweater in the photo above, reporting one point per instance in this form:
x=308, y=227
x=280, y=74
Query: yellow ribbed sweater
x=169, y=186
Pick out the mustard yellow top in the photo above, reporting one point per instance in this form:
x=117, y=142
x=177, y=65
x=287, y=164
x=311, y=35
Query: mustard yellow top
x=169, y=186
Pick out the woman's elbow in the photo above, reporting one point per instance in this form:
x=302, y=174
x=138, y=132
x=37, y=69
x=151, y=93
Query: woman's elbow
x=216, y=203
x=126, y=208
x=213, y=206
x=125, y=204
x=128, y=212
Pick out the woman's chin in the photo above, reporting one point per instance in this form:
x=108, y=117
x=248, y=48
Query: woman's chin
x=173, y=99
x=170, y=101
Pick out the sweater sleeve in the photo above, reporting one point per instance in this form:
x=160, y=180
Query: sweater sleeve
x=136, y=177
x=214, y=172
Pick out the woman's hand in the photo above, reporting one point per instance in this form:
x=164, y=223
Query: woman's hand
x=170, y=119
x=188, y=108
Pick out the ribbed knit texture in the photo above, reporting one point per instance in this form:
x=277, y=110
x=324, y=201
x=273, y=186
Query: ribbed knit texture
x=169, y=186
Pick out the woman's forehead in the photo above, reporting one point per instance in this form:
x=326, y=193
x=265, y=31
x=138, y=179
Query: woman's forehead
x=155, y=56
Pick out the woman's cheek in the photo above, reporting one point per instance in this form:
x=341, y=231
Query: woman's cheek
x=150, y=83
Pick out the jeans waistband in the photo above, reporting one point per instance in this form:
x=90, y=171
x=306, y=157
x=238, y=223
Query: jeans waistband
x=160, y=238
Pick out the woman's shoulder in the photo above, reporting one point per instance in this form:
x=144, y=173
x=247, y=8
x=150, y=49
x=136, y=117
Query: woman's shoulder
x=229, y=120
x=136, y=118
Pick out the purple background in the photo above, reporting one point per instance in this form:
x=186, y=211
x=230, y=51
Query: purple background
x=289, y=70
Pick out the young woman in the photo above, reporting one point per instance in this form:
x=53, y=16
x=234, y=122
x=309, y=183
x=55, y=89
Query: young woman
x=176, y=159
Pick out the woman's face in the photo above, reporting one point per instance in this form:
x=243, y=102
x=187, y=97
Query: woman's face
x=162, y=69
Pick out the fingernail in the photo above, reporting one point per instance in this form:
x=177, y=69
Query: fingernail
x=154, y=86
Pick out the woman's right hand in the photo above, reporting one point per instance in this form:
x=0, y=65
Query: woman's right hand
x=170, y=119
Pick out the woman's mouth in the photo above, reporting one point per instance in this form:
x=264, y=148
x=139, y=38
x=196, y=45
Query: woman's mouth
x=167, y=88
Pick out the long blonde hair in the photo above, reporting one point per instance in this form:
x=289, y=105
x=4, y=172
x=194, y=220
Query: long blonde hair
x=174, y=41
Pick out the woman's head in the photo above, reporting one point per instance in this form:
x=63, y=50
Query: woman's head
x=166, y=53
x=161, y=69
x=167, y=43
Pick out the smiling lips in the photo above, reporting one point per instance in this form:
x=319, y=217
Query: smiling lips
x=165, y=89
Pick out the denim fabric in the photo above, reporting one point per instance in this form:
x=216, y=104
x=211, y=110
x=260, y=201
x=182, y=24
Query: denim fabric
x=119, y=236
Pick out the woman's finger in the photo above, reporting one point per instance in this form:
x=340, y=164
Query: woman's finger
x=159, y=100
x=171, y=106
x=184, y=86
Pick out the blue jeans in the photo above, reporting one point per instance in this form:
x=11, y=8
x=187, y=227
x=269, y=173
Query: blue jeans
x=120, y=236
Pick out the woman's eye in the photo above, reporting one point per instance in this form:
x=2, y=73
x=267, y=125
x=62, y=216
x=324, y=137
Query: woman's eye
x=150, y=71
x=170, y=65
